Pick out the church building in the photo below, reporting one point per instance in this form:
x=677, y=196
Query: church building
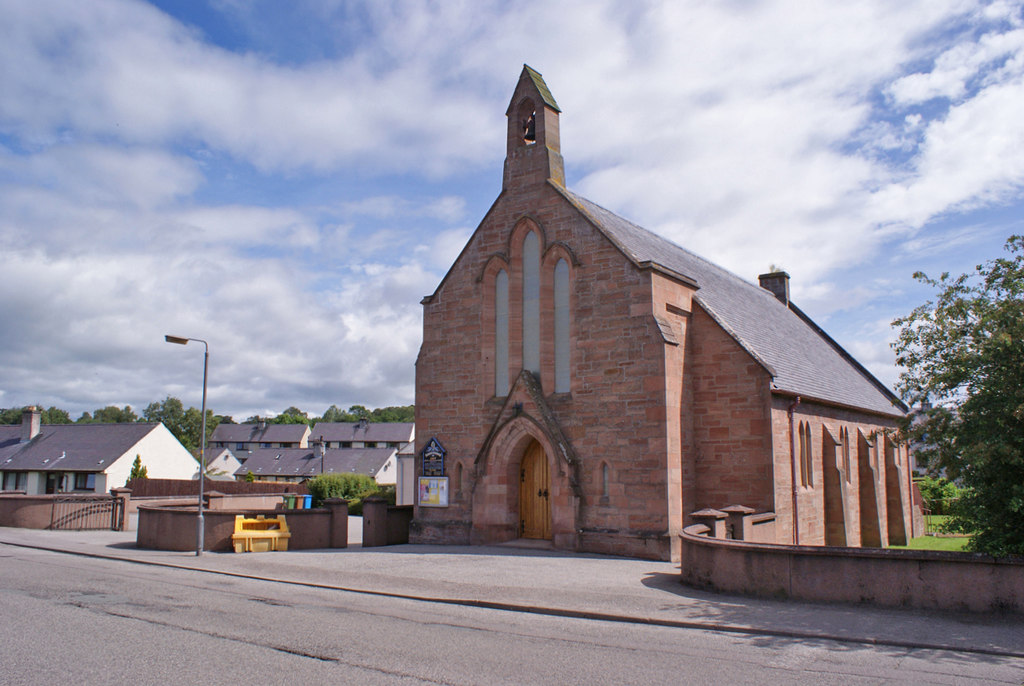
x=586, y=383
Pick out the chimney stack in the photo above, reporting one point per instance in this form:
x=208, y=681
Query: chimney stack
x=30, y=419
x=778, y=284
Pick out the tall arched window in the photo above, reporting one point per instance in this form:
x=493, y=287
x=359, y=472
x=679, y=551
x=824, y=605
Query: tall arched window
x=806, y=456
x=531, y=303
x=562, y=376
x=604, y=480
x=844, y=436
x=501, y=334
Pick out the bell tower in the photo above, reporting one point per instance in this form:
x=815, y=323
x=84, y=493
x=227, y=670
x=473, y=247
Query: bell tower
x=533, y=153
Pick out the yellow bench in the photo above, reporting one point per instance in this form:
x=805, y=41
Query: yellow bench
x=260, y=535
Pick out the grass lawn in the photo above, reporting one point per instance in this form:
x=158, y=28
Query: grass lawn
x=954, y=543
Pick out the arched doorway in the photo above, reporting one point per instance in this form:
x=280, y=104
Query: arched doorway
x=535, y=494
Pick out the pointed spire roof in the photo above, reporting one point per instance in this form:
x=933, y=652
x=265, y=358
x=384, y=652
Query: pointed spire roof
x=533, y=76
x=542, y=87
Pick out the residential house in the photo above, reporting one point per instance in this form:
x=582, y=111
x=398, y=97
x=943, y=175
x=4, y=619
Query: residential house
x=86, y=458
x=242, y=437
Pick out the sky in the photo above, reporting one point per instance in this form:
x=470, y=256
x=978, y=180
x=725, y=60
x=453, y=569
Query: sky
x=288, y=180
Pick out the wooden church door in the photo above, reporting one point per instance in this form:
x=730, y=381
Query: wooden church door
x=534, y=496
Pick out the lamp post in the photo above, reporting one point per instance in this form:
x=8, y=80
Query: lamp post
x=200, y=524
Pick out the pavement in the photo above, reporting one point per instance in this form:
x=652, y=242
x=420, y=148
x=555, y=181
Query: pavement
x=544, y=581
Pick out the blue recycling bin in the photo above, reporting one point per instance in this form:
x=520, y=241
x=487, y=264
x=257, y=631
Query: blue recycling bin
x=307, y=501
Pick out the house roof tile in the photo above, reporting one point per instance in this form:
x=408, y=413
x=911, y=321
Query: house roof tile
x=306, y=463
x=388, y=432
x=69, y=447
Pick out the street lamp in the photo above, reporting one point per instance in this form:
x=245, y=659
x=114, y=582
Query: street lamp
x=200, y=524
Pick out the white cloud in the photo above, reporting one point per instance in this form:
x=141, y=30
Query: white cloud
x=294, y=211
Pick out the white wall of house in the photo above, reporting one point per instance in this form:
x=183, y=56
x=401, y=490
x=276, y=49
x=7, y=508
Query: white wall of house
x=405, y=486
x=222, y=462
x=36, y=483
x=162, y=456
x=388, y=473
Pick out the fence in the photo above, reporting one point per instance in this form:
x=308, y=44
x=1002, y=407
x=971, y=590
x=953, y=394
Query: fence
x=79, y=513
x=163, y=488
x=935, y=510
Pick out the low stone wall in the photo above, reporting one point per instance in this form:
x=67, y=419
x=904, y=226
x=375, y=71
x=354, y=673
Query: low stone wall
x=898, y=578
x=26, y=511
x=174, y=527
x=37, y=511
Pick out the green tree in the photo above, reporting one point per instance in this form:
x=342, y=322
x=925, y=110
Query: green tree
x=55, y=415
x=963, y=363
x=186, y=425
x=937, y=493
x=333, y=414
x=250, y=477
x=111, y=414
x=138, y=471
x=403, y=413
x=12, y=415
x=357, y=412
x=292, y=415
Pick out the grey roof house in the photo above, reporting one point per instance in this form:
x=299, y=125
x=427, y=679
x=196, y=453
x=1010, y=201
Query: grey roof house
x=299, y=464
x=238, y=437
x=86, y=458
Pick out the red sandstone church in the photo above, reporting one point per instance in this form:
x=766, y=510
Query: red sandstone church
x=587, y=382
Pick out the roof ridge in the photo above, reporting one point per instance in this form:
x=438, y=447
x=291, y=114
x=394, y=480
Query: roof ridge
x=717, y=267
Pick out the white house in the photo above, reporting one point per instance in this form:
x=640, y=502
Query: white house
x=222, y=465
x=86, y=458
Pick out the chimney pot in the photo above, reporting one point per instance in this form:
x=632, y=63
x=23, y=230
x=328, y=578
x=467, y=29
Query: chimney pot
x=30, y=420
x=778, y=284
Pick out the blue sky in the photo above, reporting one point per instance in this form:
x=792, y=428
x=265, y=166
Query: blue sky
x=288, y=180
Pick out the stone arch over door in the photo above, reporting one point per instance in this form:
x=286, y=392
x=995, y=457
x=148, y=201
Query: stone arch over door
x=497, y=496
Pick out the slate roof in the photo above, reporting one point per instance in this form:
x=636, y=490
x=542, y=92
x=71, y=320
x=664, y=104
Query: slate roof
x=69, y=447
x=252, y=433
x=306, y=463
x=387, y=432
x=802, y=358
x=542, y=87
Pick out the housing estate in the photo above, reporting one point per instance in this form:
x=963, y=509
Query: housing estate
x=586, y=382
x=239, y=437
x=299, y=464
x=86, y=458
x=364, y=434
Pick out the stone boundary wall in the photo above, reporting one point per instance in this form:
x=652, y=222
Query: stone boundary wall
x=896, y=578
x=174, y=527
x=36, y=511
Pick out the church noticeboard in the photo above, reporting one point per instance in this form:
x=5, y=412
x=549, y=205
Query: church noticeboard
x=433, y=491
x=433, y=458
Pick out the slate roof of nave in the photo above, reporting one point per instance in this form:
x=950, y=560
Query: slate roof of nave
x=800, y=356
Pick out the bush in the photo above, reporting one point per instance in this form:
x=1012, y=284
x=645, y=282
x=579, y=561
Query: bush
x=351, y=487
x=937, y=493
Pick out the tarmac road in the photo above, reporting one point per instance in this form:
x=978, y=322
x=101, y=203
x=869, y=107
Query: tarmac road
x=157, y=617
